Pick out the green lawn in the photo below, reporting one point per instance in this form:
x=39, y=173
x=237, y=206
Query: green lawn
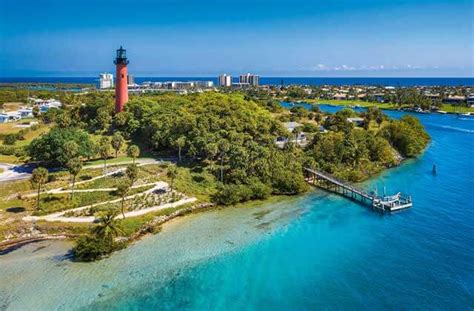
x=117, y=160
x=147, y=173
x=456, y=109
x=445, y=107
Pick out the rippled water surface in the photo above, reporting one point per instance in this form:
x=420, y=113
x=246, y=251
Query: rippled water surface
x=317, y=251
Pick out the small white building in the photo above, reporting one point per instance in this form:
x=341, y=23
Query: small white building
x=290, y=126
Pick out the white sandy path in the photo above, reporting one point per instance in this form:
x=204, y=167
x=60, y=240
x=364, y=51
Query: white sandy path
x=60, y=191
x=10, y=173
x=49, y=217
x=13, y=172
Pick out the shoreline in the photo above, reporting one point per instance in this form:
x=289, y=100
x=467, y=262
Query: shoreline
x=151, y=228
x=366, y=105
x=154, y=226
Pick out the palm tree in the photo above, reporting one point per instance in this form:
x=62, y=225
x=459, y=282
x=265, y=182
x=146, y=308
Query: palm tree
x=104, y=150
x=117, y=142
x=180, y=143
x=132, y=173
x=172, y=174
x=133, y=152
x=38, y=178
x=74, y=166
x=122, y=190
x=107, y=226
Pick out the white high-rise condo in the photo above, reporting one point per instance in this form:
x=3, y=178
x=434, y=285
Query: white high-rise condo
x=106, y=81
x=225, y=80
x=249, y=79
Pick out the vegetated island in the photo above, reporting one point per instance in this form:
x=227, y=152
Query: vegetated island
x=105, y=187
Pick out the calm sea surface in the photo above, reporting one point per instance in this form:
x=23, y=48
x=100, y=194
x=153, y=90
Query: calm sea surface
x=316, y=251
x=271, y=80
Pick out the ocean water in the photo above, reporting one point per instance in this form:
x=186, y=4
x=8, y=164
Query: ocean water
x=315, y=251
x=466, y=81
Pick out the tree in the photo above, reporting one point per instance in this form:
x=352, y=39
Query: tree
x=104, y=150
x=172, y=174
x=107, y=225
x=223, y=149
x=53, y=147
x=63, y=119
x=38, y=178
x=117, y=142
x=74, y=166
x=132, y=173
x=36, y=112
x=71, y=150
x=103, y=120
x=180, y=143
x=122, y=190
x=133, y=152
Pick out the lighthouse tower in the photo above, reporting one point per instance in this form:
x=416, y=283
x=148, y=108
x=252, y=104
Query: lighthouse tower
x=121, y=88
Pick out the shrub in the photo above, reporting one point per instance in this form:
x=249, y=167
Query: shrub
x=10, y=139
x=90, y=248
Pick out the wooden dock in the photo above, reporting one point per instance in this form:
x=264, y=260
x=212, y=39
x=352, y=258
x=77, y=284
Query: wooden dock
x=391, y=203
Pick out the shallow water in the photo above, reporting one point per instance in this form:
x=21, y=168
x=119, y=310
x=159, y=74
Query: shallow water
x=316, y=251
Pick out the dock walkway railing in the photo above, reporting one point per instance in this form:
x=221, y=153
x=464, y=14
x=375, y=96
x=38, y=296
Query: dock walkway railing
x=386, y=203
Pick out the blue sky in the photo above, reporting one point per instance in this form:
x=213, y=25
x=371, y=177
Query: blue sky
x=270, y=37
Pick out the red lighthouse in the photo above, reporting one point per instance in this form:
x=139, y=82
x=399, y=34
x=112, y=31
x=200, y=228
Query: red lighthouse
x=121, y=88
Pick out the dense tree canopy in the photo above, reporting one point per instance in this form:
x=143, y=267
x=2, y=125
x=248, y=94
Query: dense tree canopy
x=53, y=147
x=233, y=137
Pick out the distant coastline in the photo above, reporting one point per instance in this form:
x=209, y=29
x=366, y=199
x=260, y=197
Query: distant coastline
x=461, y=81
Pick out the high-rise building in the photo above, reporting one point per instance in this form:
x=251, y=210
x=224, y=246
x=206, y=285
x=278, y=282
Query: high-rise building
x=225, y=80
x=130, y=79
x=121, y=88
x=249, y=79
x=106, y=81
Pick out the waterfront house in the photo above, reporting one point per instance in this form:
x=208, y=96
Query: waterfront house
x=356, y=121
x=290, y=126
x=379, y=97
x=26, y=112
x=3, y=118
x=470, y=100
x=454, y=99
x=298, y=138
x=9, y=116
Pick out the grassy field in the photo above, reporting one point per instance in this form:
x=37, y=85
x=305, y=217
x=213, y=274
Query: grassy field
x=355, y=103
x=196, y=181
x=119, y=159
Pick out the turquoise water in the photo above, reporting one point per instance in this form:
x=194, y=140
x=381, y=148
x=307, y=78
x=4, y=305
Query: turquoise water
x=317, y=251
